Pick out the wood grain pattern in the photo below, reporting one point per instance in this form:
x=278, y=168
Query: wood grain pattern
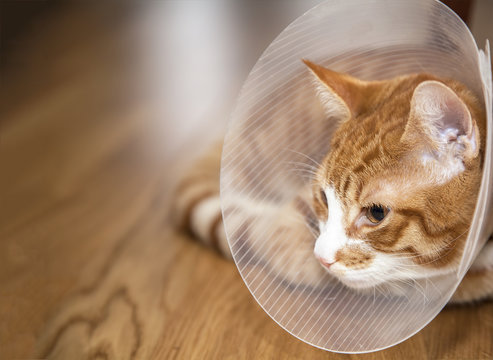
x=89, y=266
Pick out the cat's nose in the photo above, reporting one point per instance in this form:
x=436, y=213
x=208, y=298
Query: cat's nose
x=326, y=263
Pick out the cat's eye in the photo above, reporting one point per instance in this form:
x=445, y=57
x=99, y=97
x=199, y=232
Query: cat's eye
x=323, y=197
x=376, y=213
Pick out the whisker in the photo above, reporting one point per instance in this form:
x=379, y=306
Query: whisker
x=304, y=155
x=302, y=164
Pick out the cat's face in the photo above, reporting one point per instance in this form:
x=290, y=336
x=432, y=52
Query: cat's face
x=396, y=193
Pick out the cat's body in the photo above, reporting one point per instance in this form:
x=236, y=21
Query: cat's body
x=394, y=197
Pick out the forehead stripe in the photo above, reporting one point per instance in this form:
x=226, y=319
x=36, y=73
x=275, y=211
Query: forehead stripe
x=345, y=185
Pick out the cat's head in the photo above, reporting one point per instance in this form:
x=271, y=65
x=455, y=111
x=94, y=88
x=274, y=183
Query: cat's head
x=396, y=193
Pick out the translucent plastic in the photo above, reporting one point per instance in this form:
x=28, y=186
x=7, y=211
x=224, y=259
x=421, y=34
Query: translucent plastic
x=278, y=117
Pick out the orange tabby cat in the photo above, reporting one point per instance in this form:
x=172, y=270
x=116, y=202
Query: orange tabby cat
x=395, y=195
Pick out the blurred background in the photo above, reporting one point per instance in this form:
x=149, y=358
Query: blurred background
x=102, y=106
x=180, y=52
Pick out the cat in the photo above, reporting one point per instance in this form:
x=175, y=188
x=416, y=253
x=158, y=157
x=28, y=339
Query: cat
x=393, y=198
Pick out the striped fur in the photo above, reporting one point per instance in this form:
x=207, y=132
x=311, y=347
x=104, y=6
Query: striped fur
x=381, y=153
x=196, y=207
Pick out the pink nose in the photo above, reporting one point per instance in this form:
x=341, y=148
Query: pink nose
x=325, y=262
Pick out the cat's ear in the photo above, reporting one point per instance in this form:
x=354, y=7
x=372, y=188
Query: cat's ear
x=341, y=94
x=441, y=122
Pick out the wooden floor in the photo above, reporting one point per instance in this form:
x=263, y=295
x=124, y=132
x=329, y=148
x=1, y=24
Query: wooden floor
x=89, y=264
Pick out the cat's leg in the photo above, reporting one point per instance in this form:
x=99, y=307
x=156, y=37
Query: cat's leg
x=286, y=245
x=281, y=239
x=478, y=282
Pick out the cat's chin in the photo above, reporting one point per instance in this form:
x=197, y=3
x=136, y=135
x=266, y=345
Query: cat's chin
x=359, y=284
x=353, y=281
x=365, y=287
